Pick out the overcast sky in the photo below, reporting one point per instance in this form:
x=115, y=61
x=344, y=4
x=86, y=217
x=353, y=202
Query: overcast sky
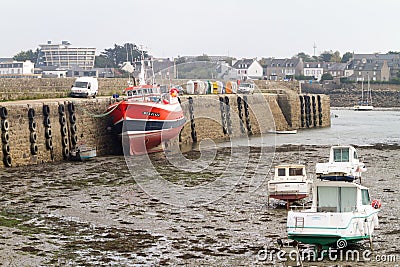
x=239, y=28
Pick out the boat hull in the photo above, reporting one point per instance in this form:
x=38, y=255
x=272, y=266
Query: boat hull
x=325, y=240
x=288, y=196
x=138, y=143
x=289, y=190
x=363, y=108
x=326, y=228
x=143, y=126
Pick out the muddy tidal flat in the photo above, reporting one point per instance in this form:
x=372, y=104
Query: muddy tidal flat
x=95, y=214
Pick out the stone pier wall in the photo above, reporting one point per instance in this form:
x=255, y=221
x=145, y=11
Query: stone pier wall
x=216, y=117
x=88, y=130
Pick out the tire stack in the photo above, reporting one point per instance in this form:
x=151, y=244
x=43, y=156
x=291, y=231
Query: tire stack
x=228, y=116
x=247, y=115
x=319, y=110
x=72, y=125
x=314, y=110
x=223, y=115
x=64, y=131
x=192, y=123
x=32, y=129
x=302, y=111
x=307, y=110
x=239, y=103
x=5, y=137
x=47, y=128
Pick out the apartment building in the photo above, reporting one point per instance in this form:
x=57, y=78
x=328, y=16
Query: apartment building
x=66, y=56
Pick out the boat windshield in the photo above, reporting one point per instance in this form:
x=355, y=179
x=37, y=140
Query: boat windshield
x=341, y=154
x=336, y=199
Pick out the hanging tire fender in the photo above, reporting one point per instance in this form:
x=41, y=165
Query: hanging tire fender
x=32, y=125
x=46, y=121
x=72, y=118
x=31, y=113
x=6, y=149
x=34, y=149
x=33, y=137
x=47, y=132
x=64, y=130
x=3, y=112
x=73, y=128
x=46, y=110
x=49, y=144
x=7, y=161
x=65, y=152
x=71, y=107
x=65, y=141
x=5, y=125
x=5, y=137
x=61, y=109
x=63, y=120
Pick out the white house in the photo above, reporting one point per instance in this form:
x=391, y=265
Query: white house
x=16, y=68
x=314, y=69
x=248, y=69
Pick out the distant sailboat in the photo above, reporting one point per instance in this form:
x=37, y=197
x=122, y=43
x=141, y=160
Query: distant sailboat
x=365, y=105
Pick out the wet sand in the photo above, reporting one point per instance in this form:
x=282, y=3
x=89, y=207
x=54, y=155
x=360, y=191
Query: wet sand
x=94, y=214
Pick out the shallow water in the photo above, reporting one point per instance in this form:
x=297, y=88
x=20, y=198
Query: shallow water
x=99, y=213
x=349, y=127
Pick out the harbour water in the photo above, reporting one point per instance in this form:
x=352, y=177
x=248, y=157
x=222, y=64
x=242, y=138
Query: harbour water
x=348, y=127
x=98, y=213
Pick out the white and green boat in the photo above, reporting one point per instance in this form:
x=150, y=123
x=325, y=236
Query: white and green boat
x=341, y=212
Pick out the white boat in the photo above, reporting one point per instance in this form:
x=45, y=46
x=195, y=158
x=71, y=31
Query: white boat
x=365, y=105
x=343, y=165
x=290, y=183
x=286, y=132
x=83, y=152
x=341, y=212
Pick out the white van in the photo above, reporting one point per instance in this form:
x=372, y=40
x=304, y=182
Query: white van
x=85, y=87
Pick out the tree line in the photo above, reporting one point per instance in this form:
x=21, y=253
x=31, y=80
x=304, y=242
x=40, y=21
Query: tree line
x=326, y=56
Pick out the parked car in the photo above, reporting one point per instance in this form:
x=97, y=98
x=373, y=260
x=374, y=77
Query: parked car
x=246, y=88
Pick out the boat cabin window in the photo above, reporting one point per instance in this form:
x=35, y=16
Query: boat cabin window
x=295, y=171
x=341, y=154
x=355, y=156
x=281, y=172
x=365, y=197
x=336, y=199
x=131, y=92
